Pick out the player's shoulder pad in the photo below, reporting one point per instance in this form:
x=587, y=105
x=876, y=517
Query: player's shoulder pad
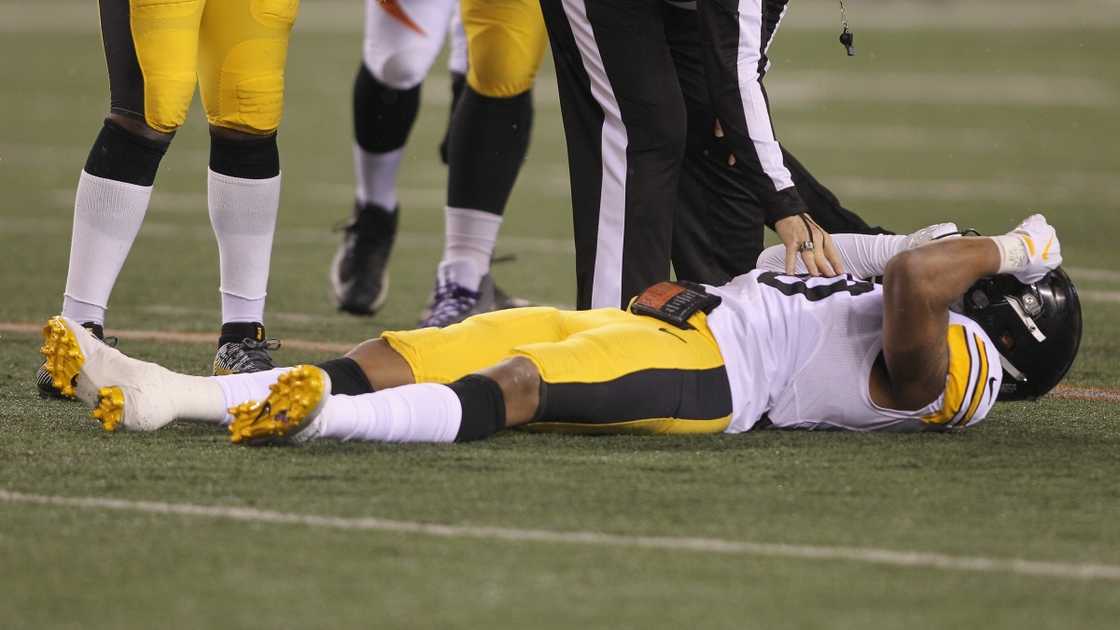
x=975, y=374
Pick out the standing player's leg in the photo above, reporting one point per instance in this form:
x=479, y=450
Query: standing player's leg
x=457, y=66
x=487, y=143
x=243, y=46
x=401, y=42
x=151, y=53
x=624, y=120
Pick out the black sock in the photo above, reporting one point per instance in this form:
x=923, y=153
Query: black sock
x=484, y=407
x=234, y=332
x=457, y=82
x=122, y=156
x=347, y=377
x=246, y=158
x=487, y=144
x=383, y=116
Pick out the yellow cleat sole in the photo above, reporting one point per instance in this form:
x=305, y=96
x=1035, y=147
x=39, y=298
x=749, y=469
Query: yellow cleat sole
x=62, y=354
x=110, y=408
x=292, y=400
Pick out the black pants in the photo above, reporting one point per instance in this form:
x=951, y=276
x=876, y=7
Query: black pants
x=650, y=182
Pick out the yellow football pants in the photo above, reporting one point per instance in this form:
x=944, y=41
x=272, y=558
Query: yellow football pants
x=235, y=50
x=505, y=41
x=604, y=371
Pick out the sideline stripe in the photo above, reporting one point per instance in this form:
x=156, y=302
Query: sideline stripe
x=1061, y=392
x=27, y=328
x=867, y=555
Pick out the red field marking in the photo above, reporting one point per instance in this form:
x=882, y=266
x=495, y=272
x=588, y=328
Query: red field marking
x=1061, y=392
x=1065, y=392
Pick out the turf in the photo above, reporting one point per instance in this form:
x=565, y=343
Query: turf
x=1036, y=481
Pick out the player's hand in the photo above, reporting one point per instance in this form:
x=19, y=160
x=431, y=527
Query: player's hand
x=803, y=237
x=931, y=233
x=1040, y=252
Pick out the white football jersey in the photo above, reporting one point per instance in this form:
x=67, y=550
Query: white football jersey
x=800, y=352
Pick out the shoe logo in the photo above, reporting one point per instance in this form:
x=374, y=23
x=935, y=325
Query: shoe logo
x=393, y=8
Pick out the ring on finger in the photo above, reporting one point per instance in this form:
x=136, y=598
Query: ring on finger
x=806, y=246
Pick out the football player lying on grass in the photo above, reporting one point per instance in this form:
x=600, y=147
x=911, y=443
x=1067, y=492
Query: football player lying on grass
x=957, y=324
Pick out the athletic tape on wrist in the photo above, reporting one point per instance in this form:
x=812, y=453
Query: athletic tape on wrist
x=1013, y=255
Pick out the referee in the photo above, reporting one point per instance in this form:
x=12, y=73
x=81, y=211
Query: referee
x=642, y=80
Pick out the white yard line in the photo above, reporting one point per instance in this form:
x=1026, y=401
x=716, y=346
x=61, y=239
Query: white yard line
x=800, y=88
x=866, y=555
x=1100, y=275
x=1093, y=295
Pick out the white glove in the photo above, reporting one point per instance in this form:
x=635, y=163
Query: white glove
x=930, y=233
x=1030, y=251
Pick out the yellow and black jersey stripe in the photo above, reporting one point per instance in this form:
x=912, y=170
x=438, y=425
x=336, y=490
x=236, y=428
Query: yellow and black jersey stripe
x=969, y=390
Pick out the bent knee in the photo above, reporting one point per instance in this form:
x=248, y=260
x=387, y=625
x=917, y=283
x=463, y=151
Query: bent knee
x=503, y=61
x=520, y=382
x=398, y=69
x=500, y=72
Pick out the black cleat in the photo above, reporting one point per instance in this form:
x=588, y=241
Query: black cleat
x=43, y=381
x=360, y=270
x=242, y=349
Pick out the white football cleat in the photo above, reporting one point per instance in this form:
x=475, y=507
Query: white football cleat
x=122, y=391
x=289, y=413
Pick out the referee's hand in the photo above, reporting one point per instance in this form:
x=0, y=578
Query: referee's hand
x=820, y=258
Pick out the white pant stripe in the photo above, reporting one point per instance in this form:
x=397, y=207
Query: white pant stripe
x=607, y=283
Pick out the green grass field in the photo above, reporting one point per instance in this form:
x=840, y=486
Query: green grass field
x=937, y=118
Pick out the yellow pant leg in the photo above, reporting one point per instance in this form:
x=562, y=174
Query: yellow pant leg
x=505, y=41
x=165, y=36
x=243, y=46
x=633, y=375
x=444, y=355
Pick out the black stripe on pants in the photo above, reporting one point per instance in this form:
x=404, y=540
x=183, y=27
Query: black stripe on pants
x=624, y=121
x=646, y=394
x=126, y=82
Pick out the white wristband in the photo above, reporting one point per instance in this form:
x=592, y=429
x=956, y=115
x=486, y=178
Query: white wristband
x=1013, y=254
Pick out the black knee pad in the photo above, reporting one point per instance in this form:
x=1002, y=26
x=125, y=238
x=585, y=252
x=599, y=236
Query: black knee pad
x=484, y=407
x=347, y=377
x=123, y=156
x=383, y=116
x=251, y=157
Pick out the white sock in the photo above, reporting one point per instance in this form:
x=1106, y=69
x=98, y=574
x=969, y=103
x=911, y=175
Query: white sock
x=107, y=217
x=243, y=215
x=376, y=177
x=82, y=312
x=238, y=309
x=199, y=398
x=470, y=235
x=424, y=412
x=461, y=272
x=239, y=388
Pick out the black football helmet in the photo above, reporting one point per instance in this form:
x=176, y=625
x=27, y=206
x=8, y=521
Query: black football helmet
x=1036, y=328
